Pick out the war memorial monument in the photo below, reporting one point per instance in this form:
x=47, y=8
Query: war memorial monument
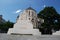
x=26, y=24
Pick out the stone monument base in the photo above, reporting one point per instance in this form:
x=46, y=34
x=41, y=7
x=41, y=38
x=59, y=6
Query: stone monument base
x=24, y=32
x=24, y=27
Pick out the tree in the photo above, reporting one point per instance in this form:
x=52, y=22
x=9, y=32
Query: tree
x=51, y=18
x=5, y=26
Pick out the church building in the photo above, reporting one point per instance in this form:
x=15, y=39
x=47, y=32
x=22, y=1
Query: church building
x=30, y=14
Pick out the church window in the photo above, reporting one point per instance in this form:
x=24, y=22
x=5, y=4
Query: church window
x=29, y=18
x=32, y=13
x=29, y=13
x=32, y=20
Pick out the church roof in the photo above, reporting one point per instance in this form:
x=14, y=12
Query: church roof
x=30, y=8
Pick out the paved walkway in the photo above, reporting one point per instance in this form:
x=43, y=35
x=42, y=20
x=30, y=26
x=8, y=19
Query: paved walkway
x=29, y=37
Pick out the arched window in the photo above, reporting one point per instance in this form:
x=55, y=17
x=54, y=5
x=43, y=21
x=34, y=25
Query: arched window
x=32, y=20
x=32, y=13
x=29, y=13
x=29, y=18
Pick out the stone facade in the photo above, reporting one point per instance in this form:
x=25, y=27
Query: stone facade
x=29, y=14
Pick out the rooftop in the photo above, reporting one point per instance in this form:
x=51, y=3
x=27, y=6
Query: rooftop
x=30, y=8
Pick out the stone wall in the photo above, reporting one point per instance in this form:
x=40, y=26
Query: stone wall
x=29, y=37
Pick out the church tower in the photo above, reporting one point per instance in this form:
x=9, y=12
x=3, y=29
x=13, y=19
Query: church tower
x=29, y=14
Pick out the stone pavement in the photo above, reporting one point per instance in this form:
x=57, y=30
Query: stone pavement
x=29, y=37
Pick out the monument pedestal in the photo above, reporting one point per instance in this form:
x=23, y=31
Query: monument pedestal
x=23, y=27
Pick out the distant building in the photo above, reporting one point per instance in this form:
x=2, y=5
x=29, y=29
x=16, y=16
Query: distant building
x=1, y=19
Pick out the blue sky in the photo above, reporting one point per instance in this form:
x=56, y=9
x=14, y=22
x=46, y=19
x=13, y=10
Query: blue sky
x=11, y=8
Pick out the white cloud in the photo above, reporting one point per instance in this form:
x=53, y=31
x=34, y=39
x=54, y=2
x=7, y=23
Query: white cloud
x=18, y=11
x=44, y=6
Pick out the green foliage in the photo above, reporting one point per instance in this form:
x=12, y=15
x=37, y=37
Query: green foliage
x=5, y=26
x=51, y=18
